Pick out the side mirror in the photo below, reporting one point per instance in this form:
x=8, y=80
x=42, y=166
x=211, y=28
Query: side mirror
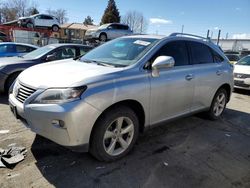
x=51, y=57
x=109, y=27
x=162, y=62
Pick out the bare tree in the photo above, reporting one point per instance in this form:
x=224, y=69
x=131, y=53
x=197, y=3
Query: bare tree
x=13, y=9
x=60, y=14
x=136, y=21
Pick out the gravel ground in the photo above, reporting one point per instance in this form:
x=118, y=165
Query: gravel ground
x=190, y=152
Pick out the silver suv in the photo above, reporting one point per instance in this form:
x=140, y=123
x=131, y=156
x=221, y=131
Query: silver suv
x=101, y=102
x=108, y=31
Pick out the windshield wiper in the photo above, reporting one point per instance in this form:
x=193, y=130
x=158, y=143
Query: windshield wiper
x=20, y=56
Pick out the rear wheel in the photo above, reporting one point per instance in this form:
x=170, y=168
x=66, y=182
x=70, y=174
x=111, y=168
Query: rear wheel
x=218, y=105
x=114, y=134
x=55, y=28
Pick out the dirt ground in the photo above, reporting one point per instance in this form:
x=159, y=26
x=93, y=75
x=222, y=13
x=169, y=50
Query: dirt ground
x=190, y=152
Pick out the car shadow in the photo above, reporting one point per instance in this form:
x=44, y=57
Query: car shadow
x=163, y=157
x=3, y=99
x=242, y=91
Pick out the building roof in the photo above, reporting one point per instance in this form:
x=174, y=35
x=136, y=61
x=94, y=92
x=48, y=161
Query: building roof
x=80, y=26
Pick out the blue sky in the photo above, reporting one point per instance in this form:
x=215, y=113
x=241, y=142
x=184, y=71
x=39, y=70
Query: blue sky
x=167, y=16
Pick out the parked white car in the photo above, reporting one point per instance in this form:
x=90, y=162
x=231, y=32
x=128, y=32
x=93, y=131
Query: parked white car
x=40, y=20
x=108, y=31
x=242, y=73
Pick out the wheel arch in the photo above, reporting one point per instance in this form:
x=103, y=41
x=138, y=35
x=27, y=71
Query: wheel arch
x=103, y=33
x=134, y=105
x=9, y=77
x=228, y=89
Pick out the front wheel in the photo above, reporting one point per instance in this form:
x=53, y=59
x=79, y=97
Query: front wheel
x=218, y=105
x=103, y=37
x=114, y=134
x=30, y=25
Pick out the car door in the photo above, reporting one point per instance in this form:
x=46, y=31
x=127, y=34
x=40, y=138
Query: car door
x=208, y=73
x=172, y=91
x=112, y=31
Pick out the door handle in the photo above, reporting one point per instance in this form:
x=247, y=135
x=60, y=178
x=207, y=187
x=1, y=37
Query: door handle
x=189, y=77
x=219, y=72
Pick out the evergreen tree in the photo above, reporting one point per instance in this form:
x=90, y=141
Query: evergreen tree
x=111, y=13
x=33, y=11
x=88, y=21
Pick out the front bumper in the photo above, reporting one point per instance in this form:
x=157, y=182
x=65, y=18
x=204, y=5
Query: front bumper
x=242, y=83
x=78, y=118
x=3, y=78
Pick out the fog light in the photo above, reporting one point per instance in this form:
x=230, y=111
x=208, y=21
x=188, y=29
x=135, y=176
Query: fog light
x=58, y=123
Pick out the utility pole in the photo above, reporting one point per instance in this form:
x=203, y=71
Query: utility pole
x=208, y=31
x=182, y=28
x=218, y=40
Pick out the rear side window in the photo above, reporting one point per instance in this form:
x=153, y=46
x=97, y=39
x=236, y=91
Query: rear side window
x=177, y=50
x=84, y=50
x=23, y=49
x=200, y=53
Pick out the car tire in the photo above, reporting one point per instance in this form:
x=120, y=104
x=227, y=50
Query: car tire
x=55, y=28
x=114, y=134
x=103, y=37
x=10, y=81
x=218, y=104
x=30, y=25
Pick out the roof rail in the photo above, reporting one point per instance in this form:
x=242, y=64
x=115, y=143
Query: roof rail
x=190, y=35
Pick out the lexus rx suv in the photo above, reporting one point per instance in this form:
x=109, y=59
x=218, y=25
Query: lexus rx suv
x=101, y=102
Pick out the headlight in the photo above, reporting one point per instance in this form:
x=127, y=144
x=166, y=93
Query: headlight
x=59, y=95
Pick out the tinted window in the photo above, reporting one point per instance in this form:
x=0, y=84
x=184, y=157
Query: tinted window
x=46, y=17
x=177, y=50
x=84, y=50
x=65, y=53
x=233, y=57
x=217, y=57
x=200, y=53
x=3, y=48
x=23, y=49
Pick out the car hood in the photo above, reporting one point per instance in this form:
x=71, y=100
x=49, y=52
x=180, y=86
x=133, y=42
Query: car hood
x=92, y=30
x=64, y=73
x=22, y=18
x=12, y=60
x=243, y=69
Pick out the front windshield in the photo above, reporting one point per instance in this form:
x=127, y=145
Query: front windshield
x=120, y=52
x=244, y=61
x=104, y=26
x=39, y=52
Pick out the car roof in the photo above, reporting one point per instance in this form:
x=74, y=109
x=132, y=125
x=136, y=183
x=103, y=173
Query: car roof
x=146, y=36
x=67, y=44
x=17, y=43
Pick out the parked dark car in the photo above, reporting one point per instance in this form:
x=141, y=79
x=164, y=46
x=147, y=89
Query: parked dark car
x=11, y=49
x=11, y=67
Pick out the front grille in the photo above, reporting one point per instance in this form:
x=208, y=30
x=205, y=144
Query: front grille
x=241, y=84
x=243, y=76
x=23, y=92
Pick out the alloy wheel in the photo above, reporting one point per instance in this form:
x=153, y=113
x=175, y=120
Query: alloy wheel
x=118, y=136
x=219, y=104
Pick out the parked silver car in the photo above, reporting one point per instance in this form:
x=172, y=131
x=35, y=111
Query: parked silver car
x=108, y=31
x=101, y=102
